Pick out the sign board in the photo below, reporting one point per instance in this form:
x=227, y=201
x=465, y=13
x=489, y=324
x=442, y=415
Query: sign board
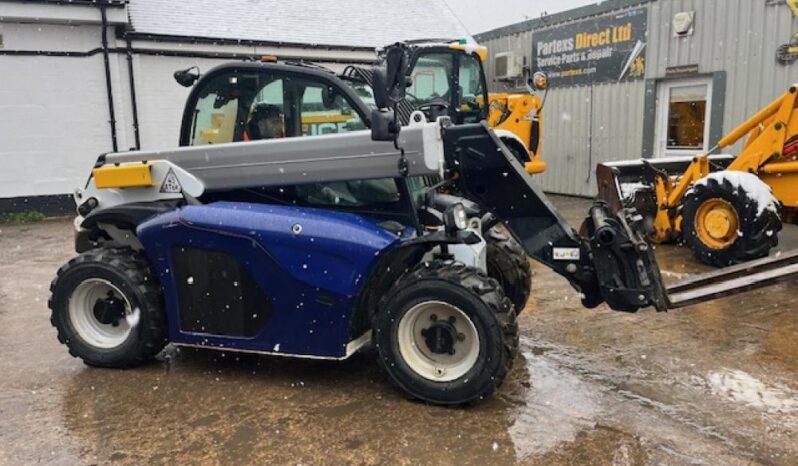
x=607, y=48
x=683, y=70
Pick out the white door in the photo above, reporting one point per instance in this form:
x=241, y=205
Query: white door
x=683, y=117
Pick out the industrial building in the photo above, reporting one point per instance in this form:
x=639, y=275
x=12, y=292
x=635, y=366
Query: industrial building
x=645, y=78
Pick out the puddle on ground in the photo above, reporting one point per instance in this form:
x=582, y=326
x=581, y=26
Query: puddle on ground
x=557, y=406
x=742, y=387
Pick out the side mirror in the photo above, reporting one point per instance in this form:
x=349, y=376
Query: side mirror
x=379, y=79
x=383, y=125
x=389, y=78
x=329, y=98
x=187, y=77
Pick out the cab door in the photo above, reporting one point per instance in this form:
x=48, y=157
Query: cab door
x=224, y=109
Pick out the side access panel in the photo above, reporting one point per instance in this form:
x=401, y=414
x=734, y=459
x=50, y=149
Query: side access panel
x=262, y=277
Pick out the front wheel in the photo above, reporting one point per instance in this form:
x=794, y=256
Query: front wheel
x=508, y=263
x=730, y=217
x=446, y=334
x=108, y=309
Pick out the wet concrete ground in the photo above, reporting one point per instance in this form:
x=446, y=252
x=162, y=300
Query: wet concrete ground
x=711, y=384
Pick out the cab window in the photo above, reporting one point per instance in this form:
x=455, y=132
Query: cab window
x=431, y=79
x=472, y=90
x=326, y=111
x=253, y=105
x=222, y=108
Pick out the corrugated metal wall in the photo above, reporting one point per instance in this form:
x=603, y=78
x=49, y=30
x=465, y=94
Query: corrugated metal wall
x=736, y=36
x=584, y=126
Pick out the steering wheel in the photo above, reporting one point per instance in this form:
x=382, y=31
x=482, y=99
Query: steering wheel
x=435, y=108
x=472, y=103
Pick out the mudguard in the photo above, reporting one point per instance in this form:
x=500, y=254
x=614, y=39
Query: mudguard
x=264, y=278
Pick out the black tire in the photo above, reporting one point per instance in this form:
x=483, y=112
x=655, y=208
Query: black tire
x=518, y=150
x=472, y=293
x=509, y=265
x=129, y=272
x=758, y=225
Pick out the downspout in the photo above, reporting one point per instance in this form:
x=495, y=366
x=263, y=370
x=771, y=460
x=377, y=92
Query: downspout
x=133, y=93
x=108, y=88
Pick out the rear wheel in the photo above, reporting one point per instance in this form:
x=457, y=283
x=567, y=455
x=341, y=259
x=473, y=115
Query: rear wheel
x=446, y=334
x=509, y=265
x=107, y=308
x=730, y=217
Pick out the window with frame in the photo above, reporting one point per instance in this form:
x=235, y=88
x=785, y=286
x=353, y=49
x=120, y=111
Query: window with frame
x=687, y=111
x=252, y=105
x=324, y=110
x=471, y=90
x=431, y=79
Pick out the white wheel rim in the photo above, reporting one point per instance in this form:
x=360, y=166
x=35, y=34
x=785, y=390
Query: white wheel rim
x=86, y=324
x=438, y=367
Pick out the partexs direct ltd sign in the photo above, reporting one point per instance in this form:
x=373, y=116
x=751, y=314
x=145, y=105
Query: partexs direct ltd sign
x=602, y=49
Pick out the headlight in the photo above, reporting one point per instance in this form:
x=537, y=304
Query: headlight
x=456, y=218
x=540, y=80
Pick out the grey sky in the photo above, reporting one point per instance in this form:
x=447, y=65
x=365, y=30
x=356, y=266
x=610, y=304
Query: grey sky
x=482, y=15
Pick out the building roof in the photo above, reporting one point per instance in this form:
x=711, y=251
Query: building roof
x=353, y=23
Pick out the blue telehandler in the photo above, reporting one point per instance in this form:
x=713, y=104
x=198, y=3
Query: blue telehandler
x=367, y=233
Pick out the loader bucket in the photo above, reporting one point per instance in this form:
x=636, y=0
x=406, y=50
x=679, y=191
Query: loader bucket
x=631, y=183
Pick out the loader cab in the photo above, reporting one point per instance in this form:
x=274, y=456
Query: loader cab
x=448, y=80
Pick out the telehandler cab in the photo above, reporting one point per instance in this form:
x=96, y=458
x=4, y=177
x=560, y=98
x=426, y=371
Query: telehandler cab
x=299, y=247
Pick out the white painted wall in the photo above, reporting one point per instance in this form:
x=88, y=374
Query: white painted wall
x=53, y=110
x=54, y=118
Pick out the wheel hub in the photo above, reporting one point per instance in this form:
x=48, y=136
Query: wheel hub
x=109, y=310
x=717, y=223
x=438, y=341
x=97, y=311
x=440, y=337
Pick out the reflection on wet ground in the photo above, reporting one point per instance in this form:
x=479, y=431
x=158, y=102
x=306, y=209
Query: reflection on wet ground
x=711, y=384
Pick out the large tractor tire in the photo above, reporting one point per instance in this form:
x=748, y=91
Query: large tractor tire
x=108, y=309
x=730, y=217
x=446, y=334
x=509, y=265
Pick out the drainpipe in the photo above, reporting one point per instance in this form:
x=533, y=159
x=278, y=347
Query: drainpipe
x=108, y=88
x=134, y=104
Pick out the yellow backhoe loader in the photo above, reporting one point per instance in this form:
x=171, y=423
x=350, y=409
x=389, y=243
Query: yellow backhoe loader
x=439, y=66
x=520, y=115
x=727, y=209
